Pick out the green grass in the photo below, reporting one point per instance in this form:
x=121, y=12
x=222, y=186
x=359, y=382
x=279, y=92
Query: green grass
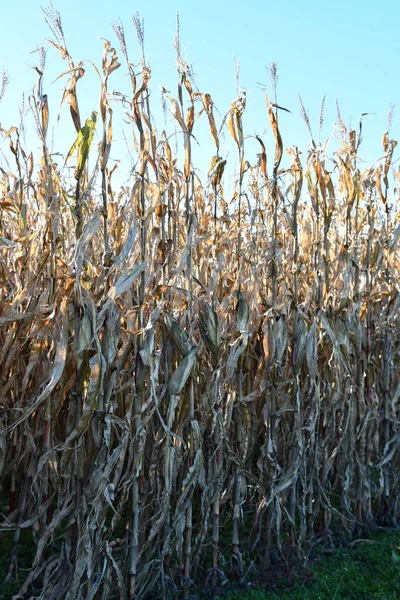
x=24, y=562
x=368, y=570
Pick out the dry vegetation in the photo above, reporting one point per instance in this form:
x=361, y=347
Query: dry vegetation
x=171, y=357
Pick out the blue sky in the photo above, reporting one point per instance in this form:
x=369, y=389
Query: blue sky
x=346, y=50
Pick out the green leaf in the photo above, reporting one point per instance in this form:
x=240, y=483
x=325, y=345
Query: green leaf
x=83, y=144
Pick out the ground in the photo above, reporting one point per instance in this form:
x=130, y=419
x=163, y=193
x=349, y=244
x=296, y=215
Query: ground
x=367, y=569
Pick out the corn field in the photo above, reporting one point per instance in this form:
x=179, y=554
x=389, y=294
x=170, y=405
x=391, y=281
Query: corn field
x=194, y=380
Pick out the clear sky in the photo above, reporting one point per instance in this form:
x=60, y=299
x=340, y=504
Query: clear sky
x=347, y=50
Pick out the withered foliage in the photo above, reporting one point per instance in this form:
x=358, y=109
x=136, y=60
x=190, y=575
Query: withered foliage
x=172, y=363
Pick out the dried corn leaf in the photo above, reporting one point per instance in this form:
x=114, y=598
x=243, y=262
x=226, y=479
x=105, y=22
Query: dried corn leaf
x=178, y=335
x=57, y=370
x=181, y=374
x=209, y=328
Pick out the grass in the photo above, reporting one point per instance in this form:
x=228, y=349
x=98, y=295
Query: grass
x=24, y=562
x=367, y=570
